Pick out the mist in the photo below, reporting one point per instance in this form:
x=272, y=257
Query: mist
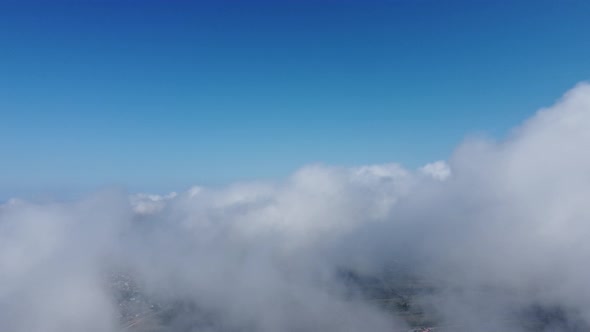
x=497, y=234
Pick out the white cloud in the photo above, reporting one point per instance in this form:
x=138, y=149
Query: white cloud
x=149, y=203
x=439, y=170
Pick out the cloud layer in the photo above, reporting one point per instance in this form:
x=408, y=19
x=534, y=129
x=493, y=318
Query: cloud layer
x=499, y=232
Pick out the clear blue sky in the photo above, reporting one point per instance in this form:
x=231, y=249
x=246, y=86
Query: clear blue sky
x=159, y=95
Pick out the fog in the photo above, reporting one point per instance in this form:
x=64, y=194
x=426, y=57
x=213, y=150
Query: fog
x=498, y=233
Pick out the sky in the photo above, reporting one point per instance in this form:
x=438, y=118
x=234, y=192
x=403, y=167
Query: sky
x=161, y=95
x=242, y=161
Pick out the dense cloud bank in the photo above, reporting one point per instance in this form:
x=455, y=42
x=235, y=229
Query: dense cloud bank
x=499, y=233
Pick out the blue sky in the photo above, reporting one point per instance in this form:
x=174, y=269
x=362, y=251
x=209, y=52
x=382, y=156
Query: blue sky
x=159, y=95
